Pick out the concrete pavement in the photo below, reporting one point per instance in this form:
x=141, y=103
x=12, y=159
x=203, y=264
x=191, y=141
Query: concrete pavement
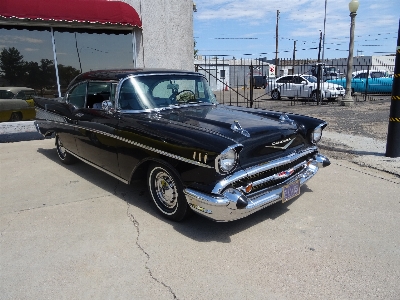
x=73, y=232
x=368, y=152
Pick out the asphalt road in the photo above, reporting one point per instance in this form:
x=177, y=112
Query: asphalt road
x=73, y=232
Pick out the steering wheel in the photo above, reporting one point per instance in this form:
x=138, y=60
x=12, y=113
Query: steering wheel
x=173, y=97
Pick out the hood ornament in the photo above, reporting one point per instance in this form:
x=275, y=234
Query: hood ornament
x=285, y=119
x=237, y=128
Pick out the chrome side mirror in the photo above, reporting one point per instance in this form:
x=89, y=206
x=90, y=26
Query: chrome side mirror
x=107, y=105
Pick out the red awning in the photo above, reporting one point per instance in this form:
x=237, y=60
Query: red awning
x=79, y=14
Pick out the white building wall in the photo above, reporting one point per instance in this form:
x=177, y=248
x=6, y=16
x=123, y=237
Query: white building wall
x=363, y=62
x=214, y=75
x=166, y=40
x=385, y=62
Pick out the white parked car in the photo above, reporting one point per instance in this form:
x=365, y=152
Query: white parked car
x=302, y=86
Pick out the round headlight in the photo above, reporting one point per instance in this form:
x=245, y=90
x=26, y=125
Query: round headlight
x=316, y=135
x=227, y=160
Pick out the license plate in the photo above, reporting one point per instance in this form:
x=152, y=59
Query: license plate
x=290, y=190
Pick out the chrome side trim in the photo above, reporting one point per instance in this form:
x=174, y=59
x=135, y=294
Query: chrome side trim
x=220, y=186
x=98, y=167
x=158, y=151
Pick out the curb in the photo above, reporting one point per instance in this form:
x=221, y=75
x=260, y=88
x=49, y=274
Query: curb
x=11, y=132
x=368, y=152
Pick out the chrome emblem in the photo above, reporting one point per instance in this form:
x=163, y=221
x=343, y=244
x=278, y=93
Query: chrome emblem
x=286, y=173
x=274, y=144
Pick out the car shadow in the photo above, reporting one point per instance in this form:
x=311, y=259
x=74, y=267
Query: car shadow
x=201, y=229
x=352, y=151
x=195, y=227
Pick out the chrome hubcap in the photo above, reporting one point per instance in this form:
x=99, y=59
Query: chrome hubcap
x=166, y=190
x=61, y=149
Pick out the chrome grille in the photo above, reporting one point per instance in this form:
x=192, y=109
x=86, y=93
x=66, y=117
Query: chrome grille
x=275, y=175
x=264, y=174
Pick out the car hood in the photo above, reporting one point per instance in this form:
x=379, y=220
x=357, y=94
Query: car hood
x=260, y=134
x=219, y=119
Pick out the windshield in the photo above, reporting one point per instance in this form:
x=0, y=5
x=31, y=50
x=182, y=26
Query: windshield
x=311, y=78
x=159, y=91
x=379, y=74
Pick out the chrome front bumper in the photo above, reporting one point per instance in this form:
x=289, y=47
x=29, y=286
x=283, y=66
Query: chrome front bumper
x=224, y=207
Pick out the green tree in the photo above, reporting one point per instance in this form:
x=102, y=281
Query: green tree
x=48, y=74
x=40, y=76
x=67, y=73
x=12, y=65
x=32, y=75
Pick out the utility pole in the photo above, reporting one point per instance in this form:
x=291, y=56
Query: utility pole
x=294, y=54
x=393, y=137
x=277, y=36
x=319, y=94
x=251, y=84
x=323, y=40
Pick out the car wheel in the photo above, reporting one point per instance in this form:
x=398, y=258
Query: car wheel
x=314, y=96
x=332, y=99
x=166, y=191
x=65, y=157
x=275, y=95
x=15, y=117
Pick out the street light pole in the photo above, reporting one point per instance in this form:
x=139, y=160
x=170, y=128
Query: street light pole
x=348, y=99
x=323, y=40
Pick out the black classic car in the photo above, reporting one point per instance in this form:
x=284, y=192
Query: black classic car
x=222, y=162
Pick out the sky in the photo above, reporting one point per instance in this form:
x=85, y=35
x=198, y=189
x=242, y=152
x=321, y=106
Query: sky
x=247, y=28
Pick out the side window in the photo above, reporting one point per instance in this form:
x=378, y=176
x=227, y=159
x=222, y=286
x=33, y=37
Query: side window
x=128, y=98
x=285, y=79
x=377, y=74
x=77, y=95
x=25, y=95
x=20, y=95
x=297, y=79
x=97, y=92
x=113, y=91
x=6, y=95
x=361, y=75
x=200, y=91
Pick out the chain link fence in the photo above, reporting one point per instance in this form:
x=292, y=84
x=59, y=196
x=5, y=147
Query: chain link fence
x=242, y=82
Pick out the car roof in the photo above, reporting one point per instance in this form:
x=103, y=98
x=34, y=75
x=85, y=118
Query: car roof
x=117, y=74
x=370, y=71
x=292, y=75
x=15, y=89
